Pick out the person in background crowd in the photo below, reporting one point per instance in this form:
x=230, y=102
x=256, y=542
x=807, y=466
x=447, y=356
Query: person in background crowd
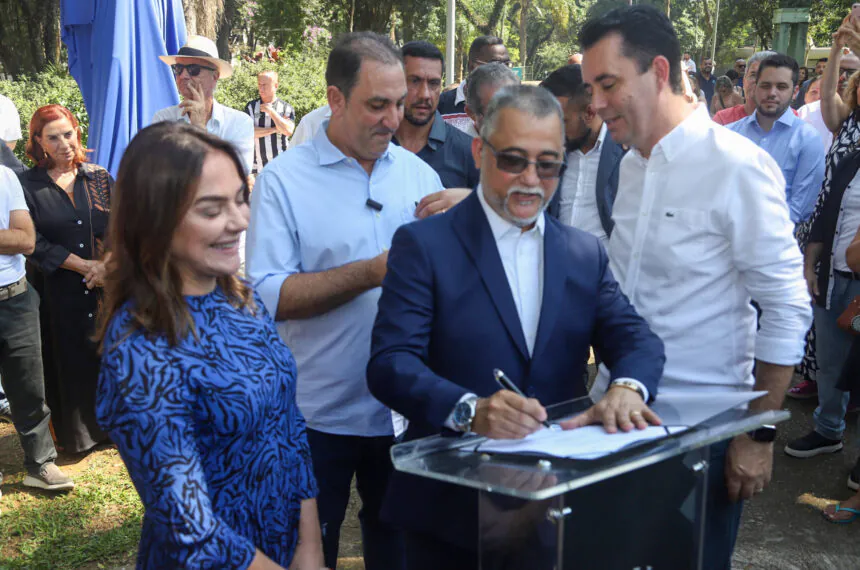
x=197, y=78
x=575, y=59
x=10, y=122
x=811, y=113
x=706, y=80
x=734, y=77
x=817, y=72
x=842, y=119
x=21, y=358
x=587, y=188
x=793, y=144
x=848, y=511
x=833, y=286
x=310, y=125
x=692, y=196
x=274, y=121
x=740, y=68
x=688, y=65
x=9, y=160
x=69, y=200
x=738, y=112
x=483, y=84
x=725, y=96
x=547, y=295
x=322, y=218
x=802, y=75
x=696, y=91
x=452, y=104
x=196, y=388
x=444, y=147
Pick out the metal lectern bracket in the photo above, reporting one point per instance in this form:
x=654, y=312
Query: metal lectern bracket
x=555, y=515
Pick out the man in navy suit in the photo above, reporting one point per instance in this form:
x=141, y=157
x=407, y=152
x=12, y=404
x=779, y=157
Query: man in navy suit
x=494, y=283
x=587, y=190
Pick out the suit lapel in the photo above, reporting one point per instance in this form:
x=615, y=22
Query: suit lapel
x=471, y=226
x=554, y=265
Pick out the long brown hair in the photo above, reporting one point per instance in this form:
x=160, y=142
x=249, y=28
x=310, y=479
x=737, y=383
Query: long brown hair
x=158, y=178
x=42, y=117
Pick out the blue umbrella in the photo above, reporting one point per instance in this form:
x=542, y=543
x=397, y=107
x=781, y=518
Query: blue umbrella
x=113, y=55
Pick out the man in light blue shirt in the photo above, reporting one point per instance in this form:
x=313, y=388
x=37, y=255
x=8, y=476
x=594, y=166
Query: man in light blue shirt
x=322, y=218
x=794, y=144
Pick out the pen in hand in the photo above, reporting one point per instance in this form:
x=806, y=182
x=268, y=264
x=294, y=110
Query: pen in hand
x=508, y=384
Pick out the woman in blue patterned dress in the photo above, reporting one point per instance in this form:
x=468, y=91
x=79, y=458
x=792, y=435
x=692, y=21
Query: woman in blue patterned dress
x=196, y=388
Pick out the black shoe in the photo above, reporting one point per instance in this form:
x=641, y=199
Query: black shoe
x=812, y=444
x=854, y=477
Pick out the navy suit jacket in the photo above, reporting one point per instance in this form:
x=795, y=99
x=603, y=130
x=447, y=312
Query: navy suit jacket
x=606, y=186
x=447, y=318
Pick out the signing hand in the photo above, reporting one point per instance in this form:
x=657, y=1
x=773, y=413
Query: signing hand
x=619, y=408
x=441, y=201
x=749, y=466
x=506, y=415
x=194, y=107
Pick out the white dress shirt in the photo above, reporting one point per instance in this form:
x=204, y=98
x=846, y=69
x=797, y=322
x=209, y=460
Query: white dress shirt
x=231, y=125
x=849, y=222
x=10, y=120
x=578, y=204
x=309, y=125
x=811, y=114
x=701, y=227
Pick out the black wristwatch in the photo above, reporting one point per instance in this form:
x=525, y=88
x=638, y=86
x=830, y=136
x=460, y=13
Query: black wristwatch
x=764, y=434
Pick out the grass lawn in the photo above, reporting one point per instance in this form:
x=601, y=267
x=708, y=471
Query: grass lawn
x=96, y=526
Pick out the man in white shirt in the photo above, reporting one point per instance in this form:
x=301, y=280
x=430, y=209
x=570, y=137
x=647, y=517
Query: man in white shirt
x=587, y=189
x=693, y=199
x=197, y=70
x=21, y=372
x=688, y=64
x=10, y=122
x=310, y=124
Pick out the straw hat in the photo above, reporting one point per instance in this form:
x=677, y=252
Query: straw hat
x=201, y=48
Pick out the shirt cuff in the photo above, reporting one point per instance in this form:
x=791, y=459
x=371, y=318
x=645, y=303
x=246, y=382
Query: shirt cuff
x=780, y=351
x=449, y=423
x=639, y=385
x=269, y=289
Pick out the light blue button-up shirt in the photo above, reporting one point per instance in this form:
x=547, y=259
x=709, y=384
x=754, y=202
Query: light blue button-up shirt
x=796, y=147
x=309, y=214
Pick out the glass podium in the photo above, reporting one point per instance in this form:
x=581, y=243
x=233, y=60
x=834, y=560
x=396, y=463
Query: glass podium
x=640, y=508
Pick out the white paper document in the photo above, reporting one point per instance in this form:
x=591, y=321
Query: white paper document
x=591, y=442
x=586, y=442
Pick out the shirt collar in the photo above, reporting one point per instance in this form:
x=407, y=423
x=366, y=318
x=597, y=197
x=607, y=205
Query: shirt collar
x=690, y=130
x=330, y=154
x=787, y=118
x=217, y=112
x=461, y=93
x=438, y=132
x=500, y=226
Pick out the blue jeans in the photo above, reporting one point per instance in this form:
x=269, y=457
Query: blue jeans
x=336, y=459
x=832, y=346
x=722, y=518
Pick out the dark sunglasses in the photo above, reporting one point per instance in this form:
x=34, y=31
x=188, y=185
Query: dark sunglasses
x=193, y=69
x=740, y=66
x=516, y=164
x=505, y=62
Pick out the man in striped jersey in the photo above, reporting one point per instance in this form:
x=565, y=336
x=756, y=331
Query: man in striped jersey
x=274, y=121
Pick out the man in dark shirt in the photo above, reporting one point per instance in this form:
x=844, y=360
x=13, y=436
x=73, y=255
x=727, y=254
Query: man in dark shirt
x=422, y=131
x=706, y=79
x=452, y=104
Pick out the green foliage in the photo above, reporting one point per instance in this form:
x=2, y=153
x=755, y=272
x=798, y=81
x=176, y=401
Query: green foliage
x=825, y=16
x=301, y=80
x=54, y=85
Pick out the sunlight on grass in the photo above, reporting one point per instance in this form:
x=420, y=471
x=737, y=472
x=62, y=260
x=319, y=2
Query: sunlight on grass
x=98, y=522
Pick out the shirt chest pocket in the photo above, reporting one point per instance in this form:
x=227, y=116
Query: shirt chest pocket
x=680, y=234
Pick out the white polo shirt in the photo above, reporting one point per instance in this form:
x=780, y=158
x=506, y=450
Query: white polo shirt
x=11, y=199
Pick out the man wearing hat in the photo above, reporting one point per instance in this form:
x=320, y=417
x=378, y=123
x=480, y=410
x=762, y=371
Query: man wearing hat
x=587, y=190
x=197, y=70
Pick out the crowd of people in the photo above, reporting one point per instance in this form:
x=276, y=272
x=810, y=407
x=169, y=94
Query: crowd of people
x=256, y=310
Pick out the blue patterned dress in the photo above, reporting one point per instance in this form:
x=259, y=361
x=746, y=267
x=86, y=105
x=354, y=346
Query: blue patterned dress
x=211, y=436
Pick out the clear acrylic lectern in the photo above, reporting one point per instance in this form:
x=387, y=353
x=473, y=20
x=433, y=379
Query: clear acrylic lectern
x=642, y=507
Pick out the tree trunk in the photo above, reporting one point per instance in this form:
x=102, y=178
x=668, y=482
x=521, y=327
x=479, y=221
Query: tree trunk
x=225, y=28
x=524, y=49
x=202, y=17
